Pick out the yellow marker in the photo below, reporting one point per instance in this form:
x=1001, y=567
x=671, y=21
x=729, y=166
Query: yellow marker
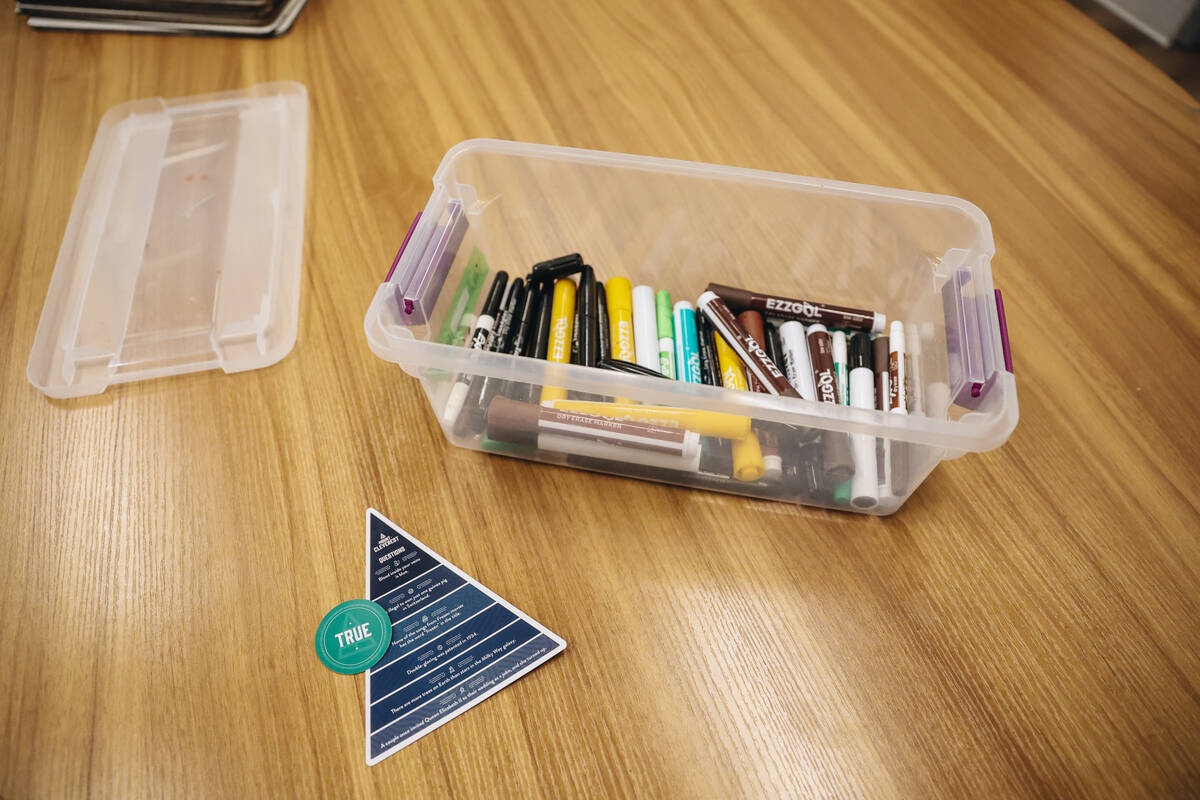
x=705, y=423
x=562, y=321
x=619, y=294
x=747, y=454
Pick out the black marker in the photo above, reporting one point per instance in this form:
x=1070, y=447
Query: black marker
x=585, y=319
x=605, y=346
x=556, y=268
x=629, y=367
x=774, y=344
x=480, y=339
x=484, y=388
x=710, y=371
x=540, y=345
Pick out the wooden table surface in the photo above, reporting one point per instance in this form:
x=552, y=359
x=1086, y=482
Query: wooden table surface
x=1028, y=625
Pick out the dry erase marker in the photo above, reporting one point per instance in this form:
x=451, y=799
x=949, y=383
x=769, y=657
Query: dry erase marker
x=752, y=323
x=645, y=327
x=687, y=346
x=835, y=447
x=820, y=352
x=556, y=268
x=841, y=493
x=585, y=320
x=541, y=332
x=619, y=293
x=775, y=347
x=913, y=391
x=480, y=337
x=602, y=332
x=796, y=360
x=840, y=371
x=483, y=388
x=747, y=454
x=666, y=333
x=590, y=435
x=628, y=367
x=746, y=346
x=897, y=404
x=562, y=320
x=879, y=348
x=710, y=370
x=864, y=486
x=705, y=423
x=805, y=311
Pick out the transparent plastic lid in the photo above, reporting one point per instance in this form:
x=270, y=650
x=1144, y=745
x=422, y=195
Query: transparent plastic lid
x=183, y=249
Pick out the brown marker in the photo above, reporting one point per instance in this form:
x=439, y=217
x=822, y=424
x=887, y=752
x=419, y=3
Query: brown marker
x=820, y=350
x=805, y=311
x=835, y=445
x=752, y=322
x=748, y=349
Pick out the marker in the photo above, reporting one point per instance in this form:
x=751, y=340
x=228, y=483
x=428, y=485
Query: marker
x=835, y=447
x=883, y=448
x=703, y=479
x=746, y=346
x=897, y=404
x=705, y=423
x=914, y=391
x=645, y=327
x=687, y=343
x=841, y=494
x=864, y=486
x=556, y=268
x=619, y=293
x=464, y=300
x=796, y=360
x=483, y=388
x=629, y=368
x=775, y=346
x=480, y=337
x=710, y=370
x=525, y=332
x=805, y=311
x=840, y=371
x=602, y=332
x=666, y=333
x=590, y=435
x=820, y=352
x=585, y=319
x=752, y=323
x=562, y=320
x=540, y=344
x=747, y=454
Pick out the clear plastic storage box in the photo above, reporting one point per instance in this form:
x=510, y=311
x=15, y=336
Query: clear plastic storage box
x=677, y=226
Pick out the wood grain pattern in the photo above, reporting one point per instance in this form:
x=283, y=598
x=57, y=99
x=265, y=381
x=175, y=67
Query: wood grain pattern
x=1026, y=626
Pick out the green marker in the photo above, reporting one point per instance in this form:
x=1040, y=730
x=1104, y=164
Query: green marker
x=354, y=636
x=454, y=330
x=666, y=333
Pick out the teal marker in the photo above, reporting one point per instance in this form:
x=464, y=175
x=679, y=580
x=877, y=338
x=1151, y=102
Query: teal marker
x=687, y=343
x=454, y=331
x=666, y=333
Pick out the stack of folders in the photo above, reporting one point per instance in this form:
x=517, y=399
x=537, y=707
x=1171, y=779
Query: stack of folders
x=218, y=17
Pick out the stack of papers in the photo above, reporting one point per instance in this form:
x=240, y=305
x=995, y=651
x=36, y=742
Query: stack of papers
x=225, y=17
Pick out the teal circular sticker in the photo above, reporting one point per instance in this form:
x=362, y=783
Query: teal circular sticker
x=353, y=636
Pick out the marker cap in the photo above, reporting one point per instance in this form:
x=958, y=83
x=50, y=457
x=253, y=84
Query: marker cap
x=860, y=351
x=662, y=305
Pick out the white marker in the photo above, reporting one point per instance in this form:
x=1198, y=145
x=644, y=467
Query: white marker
x=797, y=362
x=864, y=486
x=645, y=328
